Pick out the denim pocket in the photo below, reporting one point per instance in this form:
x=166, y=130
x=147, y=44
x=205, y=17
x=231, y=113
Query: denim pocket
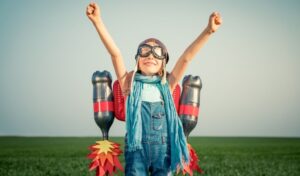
x=157, y=120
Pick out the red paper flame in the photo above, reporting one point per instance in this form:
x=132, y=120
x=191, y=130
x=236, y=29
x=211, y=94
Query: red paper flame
x=193, y=165
x=104, y=155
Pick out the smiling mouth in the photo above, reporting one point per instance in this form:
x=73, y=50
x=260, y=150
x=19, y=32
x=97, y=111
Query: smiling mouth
x=149, y=63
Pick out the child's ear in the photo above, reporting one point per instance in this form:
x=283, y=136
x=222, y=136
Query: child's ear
x=162, y=69
x=160, y=72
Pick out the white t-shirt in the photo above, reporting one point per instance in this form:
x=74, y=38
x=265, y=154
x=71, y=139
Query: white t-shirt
x=150, y=93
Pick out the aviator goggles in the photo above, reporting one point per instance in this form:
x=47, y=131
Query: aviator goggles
x=145, y=50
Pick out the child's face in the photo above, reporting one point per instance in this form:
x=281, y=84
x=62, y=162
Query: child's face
x=149, y=65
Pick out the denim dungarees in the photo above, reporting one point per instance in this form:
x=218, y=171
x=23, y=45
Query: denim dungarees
x=155, y=155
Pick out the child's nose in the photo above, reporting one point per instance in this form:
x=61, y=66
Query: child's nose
x=150, y=56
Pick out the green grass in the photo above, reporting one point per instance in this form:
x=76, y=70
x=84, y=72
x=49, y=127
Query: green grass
x=32, y=156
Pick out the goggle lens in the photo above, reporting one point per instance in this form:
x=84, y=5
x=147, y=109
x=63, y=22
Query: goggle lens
x=145, y=50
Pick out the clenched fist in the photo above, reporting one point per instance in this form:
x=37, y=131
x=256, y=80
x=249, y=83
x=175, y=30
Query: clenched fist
x=93, y=12
x=214, y=22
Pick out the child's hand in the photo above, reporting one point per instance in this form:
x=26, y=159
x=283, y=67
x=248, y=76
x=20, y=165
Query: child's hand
x=214, y=22
x=93, y=12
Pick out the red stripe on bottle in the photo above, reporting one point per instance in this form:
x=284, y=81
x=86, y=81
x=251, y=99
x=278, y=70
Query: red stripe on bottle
x=189, y=110
x=103, y=106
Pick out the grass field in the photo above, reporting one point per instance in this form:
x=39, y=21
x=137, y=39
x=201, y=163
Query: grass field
x=32, y=156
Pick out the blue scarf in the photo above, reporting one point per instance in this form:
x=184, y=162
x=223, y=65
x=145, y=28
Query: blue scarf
x=178, y=141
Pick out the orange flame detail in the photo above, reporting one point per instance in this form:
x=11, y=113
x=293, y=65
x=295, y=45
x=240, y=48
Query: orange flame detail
x=193, y=165
x=104, y=156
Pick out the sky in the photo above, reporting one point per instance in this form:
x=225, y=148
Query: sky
x=49, y=51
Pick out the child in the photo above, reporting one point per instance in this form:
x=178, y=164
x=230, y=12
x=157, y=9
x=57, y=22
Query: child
x=155, y=141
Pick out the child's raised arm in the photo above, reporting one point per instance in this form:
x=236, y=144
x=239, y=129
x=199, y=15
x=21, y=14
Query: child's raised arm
x=182, y=63
x=93, y=13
